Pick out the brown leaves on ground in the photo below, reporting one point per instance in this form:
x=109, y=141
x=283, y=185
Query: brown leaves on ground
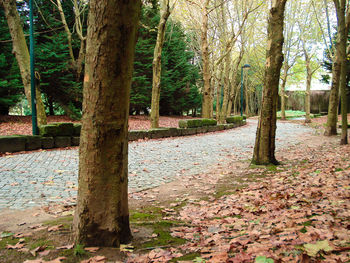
x=21, y=125
x=299, y=214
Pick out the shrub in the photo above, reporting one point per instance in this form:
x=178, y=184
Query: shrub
x=57, y=129
x=234, y=119
x=49, y=130
x=77, y=129
x=209, y=122
x=191, y=123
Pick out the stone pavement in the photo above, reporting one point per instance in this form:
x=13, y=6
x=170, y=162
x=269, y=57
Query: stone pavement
x=44, y=177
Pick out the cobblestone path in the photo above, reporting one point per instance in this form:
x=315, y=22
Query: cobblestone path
x=39, y=178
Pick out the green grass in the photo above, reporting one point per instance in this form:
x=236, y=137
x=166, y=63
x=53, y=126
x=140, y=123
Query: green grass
x=40, y=243
x=162, y=229
x=292, y=114
x=190, y=256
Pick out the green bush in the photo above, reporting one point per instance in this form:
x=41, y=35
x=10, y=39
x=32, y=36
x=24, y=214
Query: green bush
x=49, y=130
x=65, y=128
x=57, y=129
x=209, y=122
x=191, y=123
x=77, y=129
x=234, y=119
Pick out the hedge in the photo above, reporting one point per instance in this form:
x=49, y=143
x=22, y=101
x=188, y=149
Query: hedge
x=234, y=119
x=57, y=129
x=196, y=123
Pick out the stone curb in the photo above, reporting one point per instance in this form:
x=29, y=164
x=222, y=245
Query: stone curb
x=17, y=143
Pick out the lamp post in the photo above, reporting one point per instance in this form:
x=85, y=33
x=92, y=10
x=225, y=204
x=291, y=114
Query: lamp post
x=246, y=66
x=32, y=75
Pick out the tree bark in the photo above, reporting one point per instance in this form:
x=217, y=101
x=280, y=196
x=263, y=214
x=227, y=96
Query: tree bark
x=308, y=89
x=20, y=49
x=332, y=117
x=206, y=99
x=102, y=216
x=157, y=64
x=66, y=29
x=343, y=30
x=283, y=91
x=264, y=149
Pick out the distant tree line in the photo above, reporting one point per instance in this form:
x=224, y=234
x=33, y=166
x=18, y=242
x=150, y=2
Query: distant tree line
x=61, y=83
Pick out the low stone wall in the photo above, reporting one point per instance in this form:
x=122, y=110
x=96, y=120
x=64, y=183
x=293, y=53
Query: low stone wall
x=48, y=140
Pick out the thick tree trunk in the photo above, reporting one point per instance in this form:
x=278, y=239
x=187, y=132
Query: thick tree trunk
x=20, y=49
x=206, y=99
x=157, y=64
x=264, y=149
x=332, y=118
x=102, y=217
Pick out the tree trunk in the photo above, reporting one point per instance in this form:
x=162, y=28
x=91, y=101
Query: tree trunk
x=102, y=216
x=157, y=64
x=66, y=28
x=343, y=30
x=283, y=92
x=247, y=100
x=206, y=99
x=20, y=49
x=332, y=117
x=264, y=149
x=308, y=88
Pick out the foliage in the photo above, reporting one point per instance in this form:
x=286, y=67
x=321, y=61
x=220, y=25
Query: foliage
x=179, y=75
x=234, y=119
x=10, y=79
x=57, y=77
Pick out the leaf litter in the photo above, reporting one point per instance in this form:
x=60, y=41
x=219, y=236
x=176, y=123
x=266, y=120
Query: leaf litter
x=298, y=213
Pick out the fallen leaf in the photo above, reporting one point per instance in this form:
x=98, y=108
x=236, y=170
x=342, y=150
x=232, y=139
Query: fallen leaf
x=66, y=247
x=313, y=249
x=91, y=249
x=126, y=248
x=55, y=228
x=17, y=246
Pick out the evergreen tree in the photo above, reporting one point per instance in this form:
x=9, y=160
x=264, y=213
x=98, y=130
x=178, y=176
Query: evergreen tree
x=57, y=78
x=10, y=80
x=179, y=92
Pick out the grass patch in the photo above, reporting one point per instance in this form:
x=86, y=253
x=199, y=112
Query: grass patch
x=65, y=221
x=41, y=242
x=190, y=256
x=7, y=241
x=162, y=230
x=146, y=214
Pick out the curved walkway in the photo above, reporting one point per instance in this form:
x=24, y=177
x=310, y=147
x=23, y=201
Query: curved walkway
x=39, y=178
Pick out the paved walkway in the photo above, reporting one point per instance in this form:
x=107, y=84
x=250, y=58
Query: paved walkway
x=39, y=178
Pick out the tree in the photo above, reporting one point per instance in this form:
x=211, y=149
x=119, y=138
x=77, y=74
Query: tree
x=179, y=73
x=206, y=97
x=11, y=88
x=343, y=17
x=332, y=117
x=102, y=215
x=157, y=62
x=59, y=79
x=264, y=149
x=20, y=49
x=290, y=50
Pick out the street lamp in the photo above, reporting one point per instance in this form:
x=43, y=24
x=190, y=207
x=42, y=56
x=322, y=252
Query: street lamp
x=246, y=66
